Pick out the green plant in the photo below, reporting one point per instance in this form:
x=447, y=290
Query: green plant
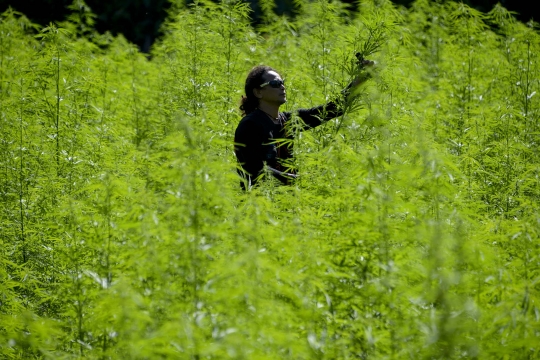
x=411, y=232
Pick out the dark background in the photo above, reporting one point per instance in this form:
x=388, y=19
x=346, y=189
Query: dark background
x=140, y=20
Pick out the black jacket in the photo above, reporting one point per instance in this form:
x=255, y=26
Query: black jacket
x=255, y=141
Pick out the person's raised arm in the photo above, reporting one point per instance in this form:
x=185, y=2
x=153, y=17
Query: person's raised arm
x=315, y=116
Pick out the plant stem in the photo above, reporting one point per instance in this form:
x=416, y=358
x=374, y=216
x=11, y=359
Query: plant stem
x=21, y=174
x=57, y=113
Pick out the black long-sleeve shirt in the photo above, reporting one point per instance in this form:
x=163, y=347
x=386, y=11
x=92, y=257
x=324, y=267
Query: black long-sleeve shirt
x=255, y=142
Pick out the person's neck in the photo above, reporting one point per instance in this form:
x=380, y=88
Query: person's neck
x=270, y=110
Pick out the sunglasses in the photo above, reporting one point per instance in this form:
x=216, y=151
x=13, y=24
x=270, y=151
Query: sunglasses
x=274, y=83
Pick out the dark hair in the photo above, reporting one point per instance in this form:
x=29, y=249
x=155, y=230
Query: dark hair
x=250, y=102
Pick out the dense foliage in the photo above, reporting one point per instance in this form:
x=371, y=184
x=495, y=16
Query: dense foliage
x=412, y=231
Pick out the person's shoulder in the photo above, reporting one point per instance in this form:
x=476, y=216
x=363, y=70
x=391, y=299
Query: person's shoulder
x=249, y=120
x=249, y=117
x=249, y=123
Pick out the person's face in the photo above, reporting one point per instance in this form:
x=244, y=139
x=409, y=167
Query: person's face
x=274, y=90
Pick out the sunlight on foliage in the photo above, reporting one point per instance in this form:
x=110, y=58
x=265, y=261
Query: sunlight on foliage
x=412, y=231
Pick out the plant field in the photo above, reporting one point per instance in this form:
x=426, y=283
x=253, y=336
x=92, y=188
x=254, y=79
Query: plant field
x=411, y=233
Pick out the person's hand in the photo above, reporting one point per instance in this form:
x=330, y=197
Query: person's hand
x=362, y=76
x=366, y=62
x=362, y=62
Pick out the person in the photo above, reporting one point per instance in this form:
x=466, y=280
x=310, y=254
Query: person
x=263, y=123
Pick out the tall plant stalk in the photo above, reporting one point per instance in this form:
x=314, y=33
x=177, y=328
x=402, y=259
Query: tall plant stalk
x=122, y=239
x=22, y=174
